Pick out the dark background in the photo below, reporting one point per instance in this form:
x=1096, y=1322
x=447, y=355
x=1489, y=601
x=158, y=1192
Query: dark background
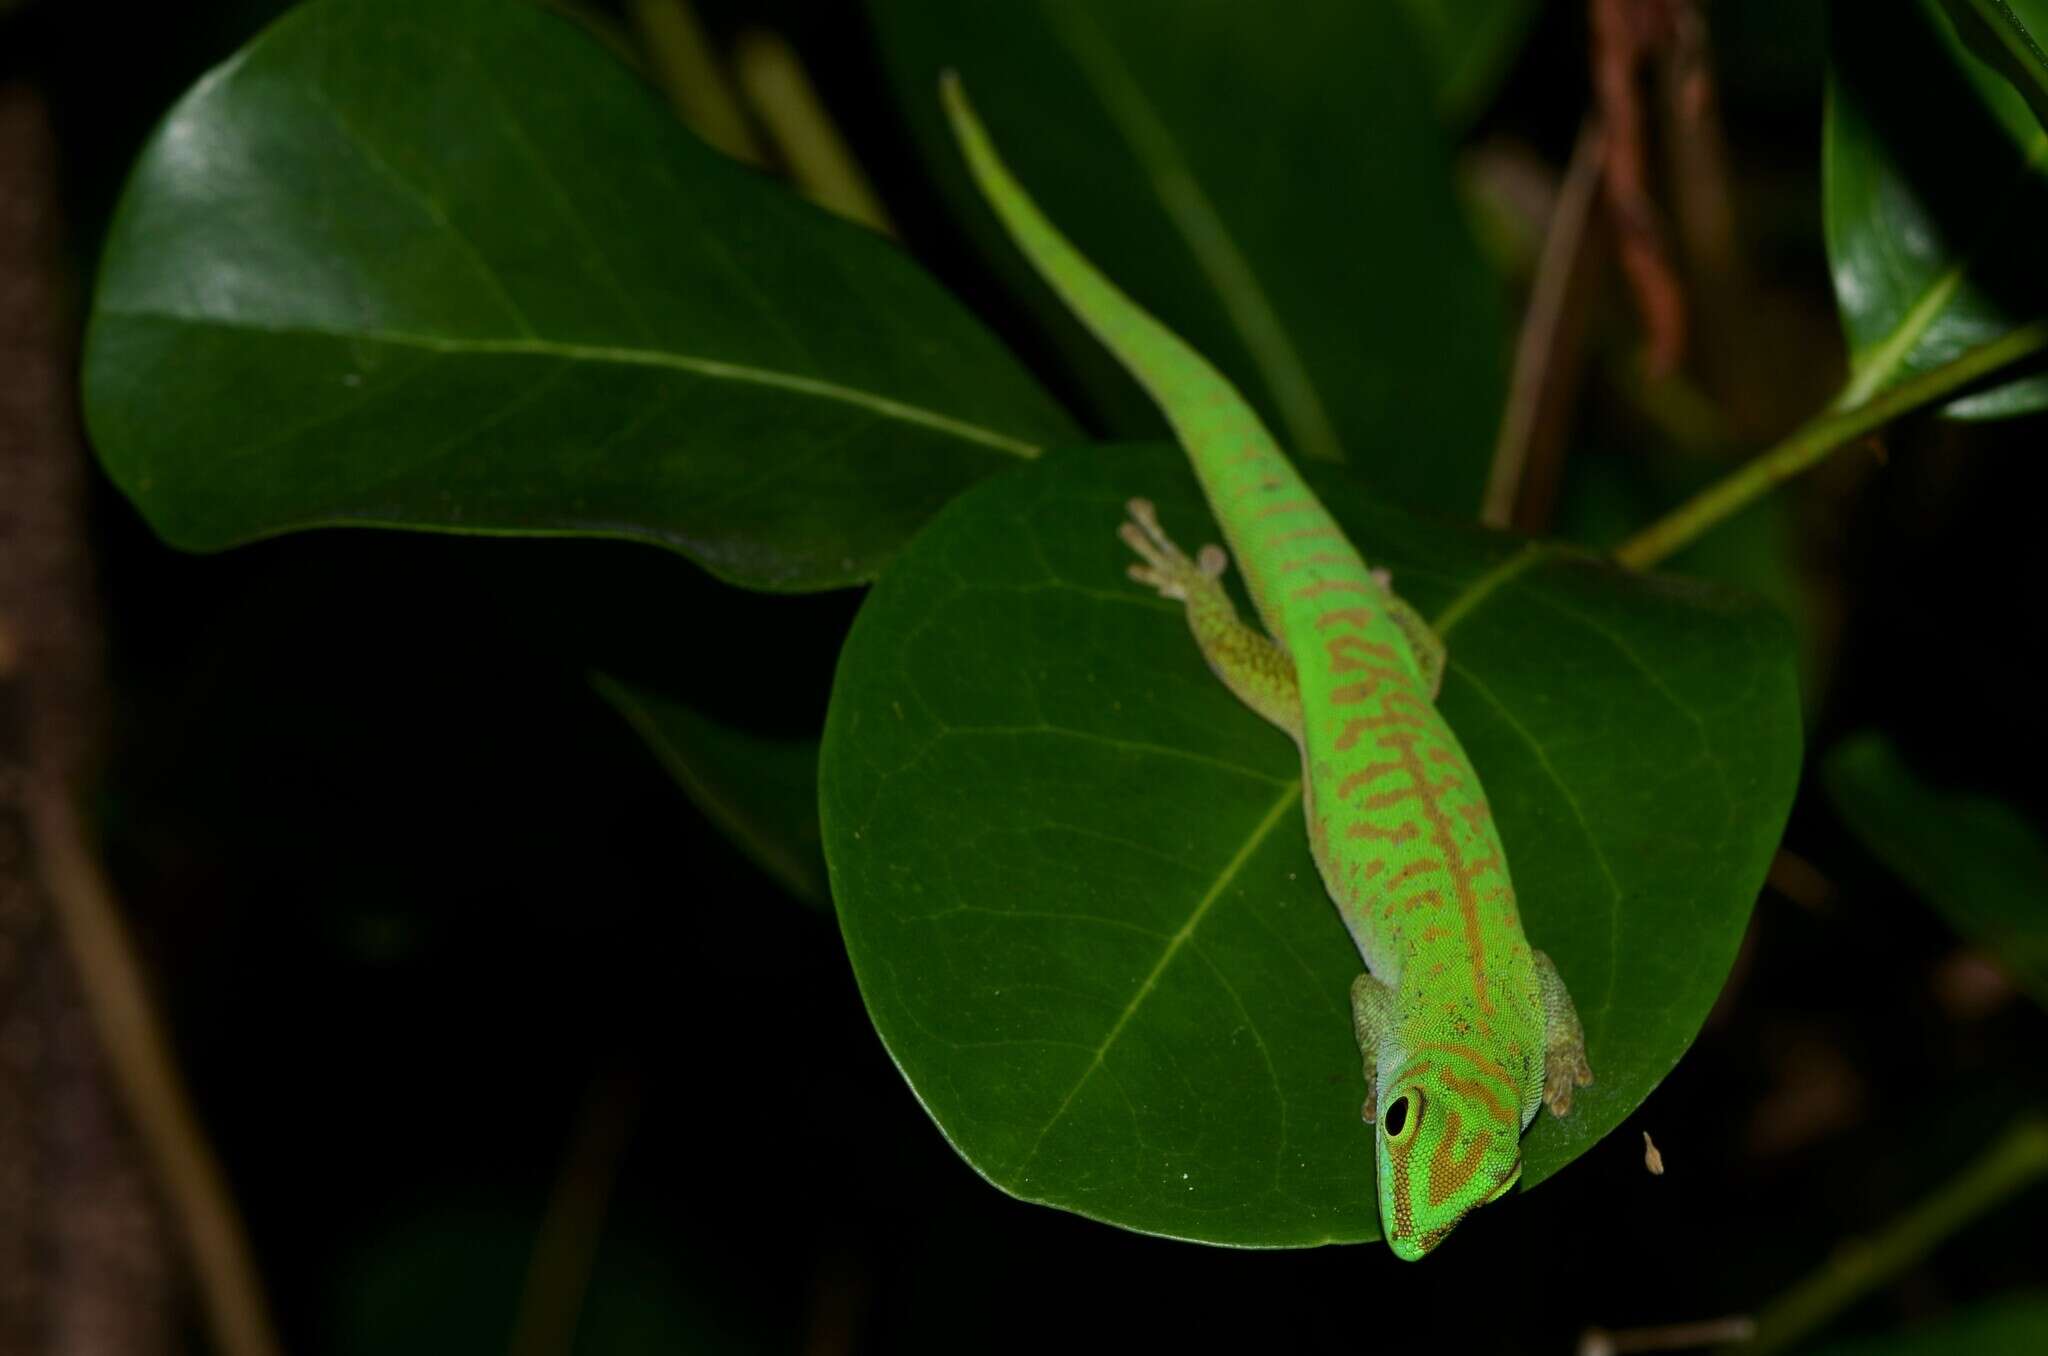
x=426, y=915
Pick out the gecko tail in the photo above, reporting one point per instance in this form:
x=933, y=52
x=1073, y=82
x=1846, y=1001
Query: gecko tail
x=1231, y=448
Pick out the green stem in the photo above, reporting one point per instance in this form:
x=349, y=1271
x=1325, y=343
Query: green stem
x=1814, y=440
x=693, y=77
x=772, y=77
x=2015, y=1162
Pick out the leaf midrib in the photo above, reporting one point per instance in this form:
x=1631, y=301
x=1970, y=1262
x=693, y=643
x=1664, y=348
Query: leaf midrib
x=1289, y=794
x=615, y=355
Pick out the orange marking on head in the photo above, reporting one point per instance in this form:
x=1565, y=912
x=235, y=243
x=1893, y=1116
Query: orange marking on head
x=1476, y=813
x=1472, y=1087
x=1322, y=533
x=1447, y=1170
x=1291, y=506
x=1360, y=617
x=1473, y=1057
x=1386, y=799
x=1404, y=1212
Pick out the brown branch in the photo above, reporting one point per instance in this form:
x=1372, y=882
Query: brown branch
x=1703, y=212
x=565, y=1250
x=1625, y=33
x=97, y=1280
x=1549, y=352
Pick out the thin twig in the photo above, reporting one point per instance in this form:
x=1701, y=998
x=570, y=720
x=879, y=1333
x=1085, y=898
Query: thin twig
x=558, y=1275
x=772, y=77
x=1550, y=351
x=1813, y=441
x=692, y=76
x=2016, y=1162
x=117, y=995
x=1665, y=1336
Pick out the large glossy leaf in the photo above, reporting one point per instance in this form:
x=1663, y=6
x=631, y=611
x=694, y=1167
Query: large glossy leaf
x=1975, y=858
x=451, y=267
x=2008, y=35
x=1076, y=888
x=1270, y=179
x=1936, y=199
x=762, y=792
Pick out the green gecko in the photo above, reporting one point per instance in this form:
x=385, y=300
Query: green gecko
x=1464, y=1028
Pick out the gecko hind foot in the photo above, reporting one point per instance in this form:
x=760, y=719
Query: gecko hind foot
x=1564, y=1067
x=1165, y=567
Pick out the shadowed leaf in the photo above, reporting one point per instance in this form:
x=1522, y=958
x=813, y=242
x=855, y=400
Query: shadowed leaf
x=762, y=792
x=2007, y=35
x=1976, y=859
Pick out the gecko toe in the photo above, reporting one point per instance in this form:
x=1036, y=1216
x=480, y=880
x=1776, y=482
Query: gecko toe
x=1563, y=1070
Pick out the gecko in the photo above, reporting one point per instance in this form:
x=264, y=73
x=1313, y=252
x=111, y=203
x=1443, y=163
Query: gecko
x=1464, y=1029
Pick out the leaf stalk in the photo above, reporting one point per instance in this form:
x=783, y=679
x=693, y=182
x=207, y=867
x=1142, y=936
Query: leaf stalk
x=1811, y=443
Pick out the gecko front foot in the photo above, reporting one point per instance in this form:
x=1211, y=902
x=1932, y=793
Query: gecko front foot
x=1164, y=566
x=1564, y=1067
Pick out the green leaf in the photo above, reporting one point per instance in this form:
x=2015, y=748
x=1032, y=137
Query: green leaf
x=2007, y=36
x=761, y=792
x=1470, y=44
x=1935, y=196
x=1270, y=180
x=450, y=267
x=1999, y=1327
x=1076, y=889
x=1977, y=860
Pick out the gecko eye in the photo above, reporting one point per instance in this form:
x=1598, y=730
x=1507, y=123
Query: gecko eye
x=1400, y=1116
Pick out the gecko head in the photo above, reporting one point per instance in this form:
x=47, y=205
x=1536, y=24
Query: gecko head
x=1444, y=1145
